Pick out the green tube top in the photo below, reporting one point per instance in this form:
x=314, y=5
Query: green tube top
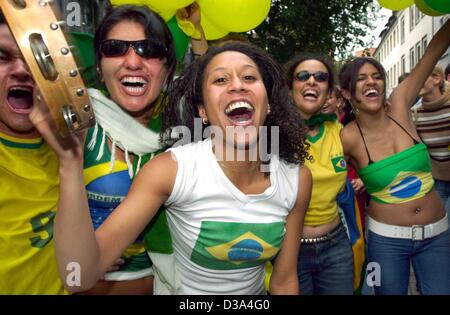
x=401, y=177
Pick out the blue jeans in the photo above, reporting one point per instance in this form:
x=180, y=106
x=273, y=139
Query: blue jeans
x=443, y=188
x=326, y=267
x=430, y=259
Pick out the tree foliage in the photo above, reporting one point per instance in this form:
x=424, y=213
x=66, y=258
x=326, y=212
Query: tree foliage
x=330, y=27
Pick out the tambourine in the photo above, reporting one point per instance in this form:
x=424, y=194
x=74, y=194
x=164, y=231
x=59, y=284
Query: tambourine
x=45, y=49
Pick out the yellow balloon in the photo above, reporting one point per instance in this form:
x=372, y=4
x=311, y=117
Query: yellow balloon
x=121, y=2
x=395, y=5
x=165, y=14
x=211, y=31
x=168, y=5
x=426, y=9
x=235, y=15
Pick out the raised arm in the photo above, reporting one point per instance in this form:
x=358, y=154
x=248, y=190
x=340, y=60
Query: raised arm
x=284, y=276
x=78, y=248
x=403, y=96
x=192, y=13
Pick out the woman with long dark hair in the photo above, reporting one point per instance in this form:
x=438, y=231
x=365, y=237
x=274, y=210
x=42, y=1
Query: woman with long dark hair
x=406, y=218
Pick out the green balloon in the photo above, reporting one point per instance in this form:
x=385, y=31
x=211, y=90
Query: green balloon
x=439, y=5
x=180, y=38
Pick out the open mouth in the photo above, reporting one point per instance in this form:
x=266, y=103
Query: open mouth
x=240, y=113
x=20, y=99
x=372, y=93
x=310, y=94
x=134, y=85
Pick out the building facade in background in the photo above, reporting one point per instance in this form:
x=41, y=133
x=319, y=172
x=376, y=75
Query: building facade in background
x=403, y=42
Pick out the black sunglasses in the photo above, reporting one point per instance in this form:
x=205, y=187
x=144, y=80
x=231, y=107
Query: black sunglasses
x=319, y=76
x=145, y=48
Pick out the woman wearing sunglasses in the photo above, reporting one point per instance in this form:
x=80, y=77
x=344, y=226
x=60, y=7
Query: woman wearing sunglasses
x=228, y=216
x=325, y=262
x=135, y=58
x=406, y=218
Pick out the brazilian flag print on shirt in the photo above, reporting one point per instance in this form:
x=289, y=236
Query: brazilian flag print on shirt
x=339, y=164
x=229, y=245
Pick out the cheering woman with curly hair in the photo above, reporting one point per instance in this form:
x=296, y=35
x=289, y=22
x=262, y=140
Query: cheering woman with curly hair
x=227, y=216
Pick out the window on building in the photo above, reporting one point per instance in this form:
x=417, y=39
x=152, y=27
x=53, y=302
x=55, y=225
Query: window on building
x=391, y=83
x=402, y=30
x=424, y=43
x=403, y=64
x=388, y=78
x=395, y=74
x=411, y=18
x=398, y=34
x=395, y=37
x=418, y=52
x=411, y=59
x=416, y=15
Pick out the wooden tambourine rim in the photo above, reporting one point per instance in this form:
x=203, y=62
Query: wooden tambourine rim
x=65, y=93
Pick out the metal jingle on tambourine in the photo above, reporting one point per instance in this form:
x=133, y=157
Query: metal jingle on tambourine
x=70, y=117
x=43, y=57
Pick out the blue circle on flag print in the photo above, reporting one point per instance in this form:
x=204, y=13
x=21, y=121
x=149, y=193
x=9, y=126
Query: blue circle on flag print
x=247, y=249
x=408, y=187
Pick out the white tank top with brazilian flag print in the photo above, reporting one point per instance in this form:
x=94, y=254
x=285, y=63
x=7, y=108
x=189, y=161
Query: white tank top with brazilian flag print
x=222, y=237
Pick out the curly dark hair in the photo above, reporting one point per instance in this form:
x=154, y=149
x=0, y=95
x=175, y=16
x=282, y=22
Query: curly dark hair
x=186, y=95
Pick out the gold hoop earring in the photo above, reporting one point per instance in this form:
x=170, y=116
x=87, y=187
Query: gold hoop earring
x=355, y=110
x=268, y=109
x=99, y=74
x=205, y=121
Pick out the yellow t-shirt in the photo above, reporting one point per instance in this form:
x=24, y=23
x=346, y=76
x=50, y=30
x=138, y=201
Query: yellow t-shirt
x=29, y=185
x=329, y=171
